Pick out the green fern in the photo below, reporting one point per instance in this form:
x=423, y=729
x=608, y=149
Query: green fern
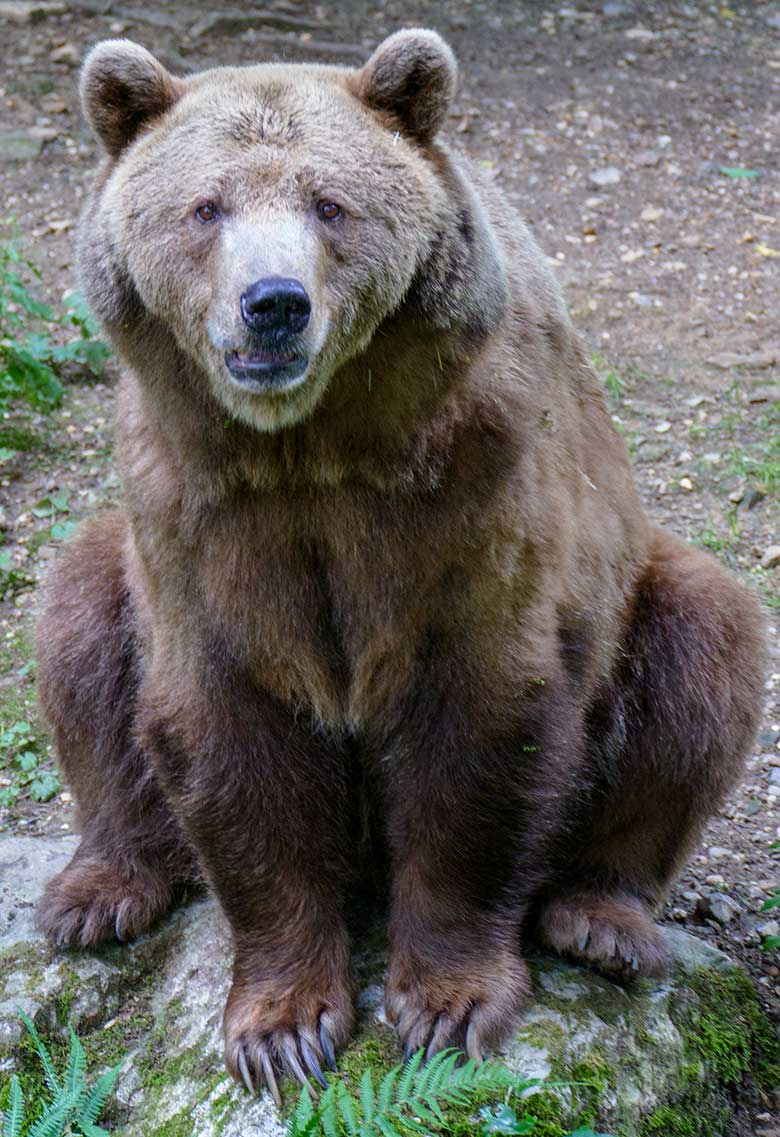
x=408, y=1100
x=14, y=1110
x=75, y=1105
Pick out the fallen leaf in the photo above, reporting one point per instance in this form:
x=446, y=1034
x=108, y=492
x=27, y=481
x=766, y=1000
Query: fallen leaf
x=739, y=172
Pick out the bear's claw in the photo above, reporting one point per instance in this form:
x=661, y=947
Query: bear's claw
x=312, y=1062
x=328, y=1049
x=243, y=1069
x=282, y=1051
x=473, y=1008
x=287, y=1051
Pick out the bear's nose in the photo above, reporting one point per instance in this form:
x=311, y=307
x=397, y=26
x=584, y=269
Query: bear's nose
x=276, y=303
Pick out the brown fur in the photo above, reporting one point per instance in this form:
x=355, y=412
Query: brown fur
x=417, y=588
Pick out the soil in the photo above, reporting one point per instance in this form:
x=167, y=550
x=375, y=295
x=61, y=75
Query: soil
x=642, y=143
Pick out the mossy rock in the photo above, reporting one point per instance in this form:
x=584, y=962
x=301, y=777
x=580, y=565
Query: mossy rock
x=665, y=1058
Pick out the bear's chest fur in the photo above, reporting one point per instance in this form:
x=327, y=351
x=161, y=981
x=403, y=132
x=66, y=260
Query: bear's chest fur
x=328, y=599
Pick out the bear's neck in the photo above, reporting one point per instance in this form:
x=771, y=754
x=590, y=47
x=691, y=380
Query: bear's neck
x=389, y=419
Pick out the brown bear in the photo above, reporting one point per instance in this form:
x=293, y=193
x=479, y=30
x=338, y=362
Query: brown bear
x=379, y=567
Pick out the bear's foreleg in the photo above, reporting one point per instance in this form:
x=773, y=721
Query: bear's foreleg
x=133, y=857
x=668, y=740
x=474, y=798
x=262, y=792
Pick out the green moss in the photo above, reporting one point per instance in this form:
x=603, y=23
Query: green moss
x=548, y=1113
x=20, y=438
x=180, y=1125
x=379, y=1050
x=724, y=1026
x=545, y=1034
x=687, y=1120
x=64, y=1001
x=728, y=1040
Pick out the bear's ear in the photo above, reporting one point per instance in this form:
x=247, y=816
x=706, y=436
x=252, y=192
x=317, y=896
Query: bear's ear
x=122, y=86
x=412, y=74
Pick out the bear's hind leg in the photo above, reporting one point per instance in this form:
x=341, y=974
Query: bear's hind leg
x=668, y=741
x=132, y=858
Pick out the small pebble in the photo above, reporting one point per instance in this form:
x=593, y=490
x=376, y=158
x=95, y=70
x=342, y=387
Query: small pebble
x=608, y=176
x=718, y=906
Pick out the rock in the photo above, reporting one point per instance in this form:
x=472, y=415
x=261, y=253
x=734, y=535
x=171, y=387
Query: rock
x=718, y=906
x=771, y=558
x=43, y=133
x=53, y=104
x=157, y=17
x=757, y=360
x=608, y=176
x=234, y=21
x=774, y=776
x=94, y=7
x=66, y=53
x=19, y=12
x=770, y=928
x=647, y=158
x=19, y=145
x=752, y=498
x=159, y=1000
x=764, y=395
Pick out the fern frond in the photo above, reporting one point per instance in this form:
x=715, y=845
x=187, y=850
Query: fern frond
x=385, y=1127
x=445, y=1081
x=329, y=1114
x=367, y=1100
x=408, y=1100
x=89, y=1111
x=385, y=1096
x=52, y=1081
x=409, y=1074
x=94, y=1131
x=77, y=1064
x=346, y=1108
x=51, y=1124
x=428, y=1073
x=13, y=1115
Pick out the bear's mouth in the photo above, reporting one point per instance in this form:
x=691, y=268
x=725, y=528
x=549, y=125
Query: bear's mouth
x=265, y=372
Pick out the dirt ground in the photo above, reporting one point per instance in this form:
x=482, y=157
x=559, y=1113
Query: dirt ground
x=642, y=142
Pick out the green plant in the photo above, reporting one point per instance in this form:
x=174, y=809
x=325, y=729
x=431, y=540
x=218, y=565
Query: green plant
x=612, y=380
x=75, y=1105
x=20, y=748
x=411, y=1099
x=31, y=362
x=770, y=943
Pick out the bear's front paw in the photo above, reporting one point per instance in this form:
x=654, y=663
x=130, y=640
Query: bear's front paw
x=612, y=933
x=91, y=902
x=471, y=1004
x=279, y=1023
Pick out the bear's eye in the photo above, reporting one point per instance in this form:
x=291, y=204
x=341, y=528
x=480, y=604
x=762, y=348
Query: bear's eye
x=206, y=211
x=328, y=210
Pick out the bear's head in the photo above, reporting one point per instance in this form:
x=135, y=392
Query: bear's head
x=272, y=217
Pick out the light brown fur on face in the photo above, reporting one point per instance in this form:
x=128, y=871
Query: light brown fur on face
x=410, y=598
